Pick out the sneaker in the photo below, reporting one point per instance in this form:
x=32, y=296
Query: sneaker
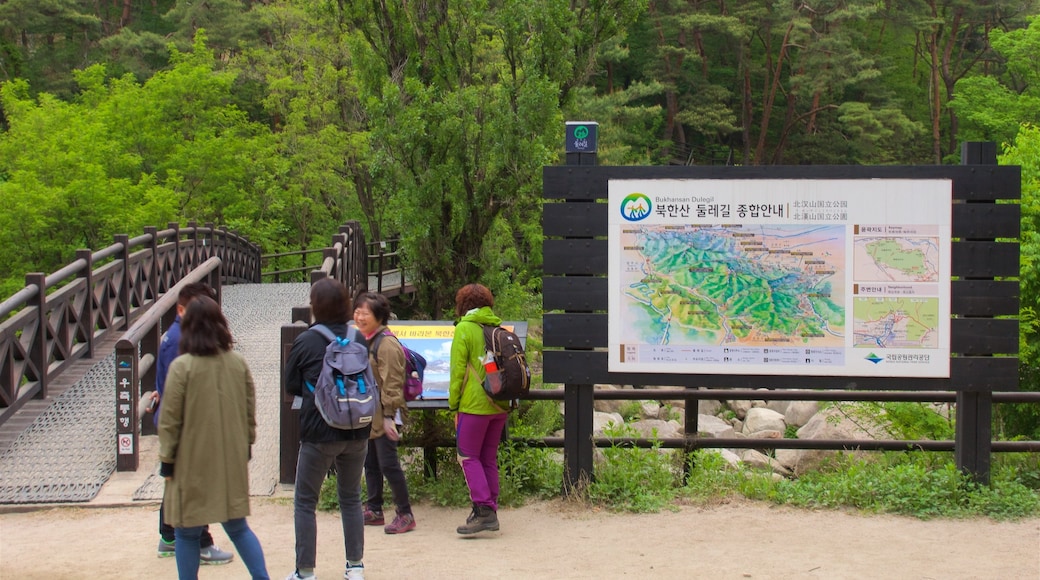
x=296, y=576
x=482, y=518
x=402, y=523
x=355, y=572
x=166, y=549
x=373, y=518
x=214, y=555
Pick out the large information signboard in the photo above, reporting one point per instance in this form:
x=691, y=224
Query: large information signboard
x=784, y=277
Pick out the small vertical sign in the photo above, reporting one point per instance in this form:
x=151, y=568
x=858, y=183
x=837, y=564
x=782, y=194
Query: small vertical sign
x=581, y=137
x=126, y=411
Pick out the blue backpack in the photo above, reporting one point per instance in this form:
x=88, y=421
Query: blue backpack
x=346, y=393
x=414, y=366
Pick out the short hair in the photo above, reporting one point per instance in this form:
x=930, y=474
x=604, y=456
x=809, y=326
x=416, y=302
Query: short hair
x=377, y=303
x=192, y=291
x=204, y=329
x=329, y=301
x=472, y=296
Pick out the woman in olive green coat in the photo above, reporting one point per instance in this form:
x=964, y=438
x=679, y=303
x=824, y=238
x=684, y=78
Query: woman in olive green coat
x=206, y=427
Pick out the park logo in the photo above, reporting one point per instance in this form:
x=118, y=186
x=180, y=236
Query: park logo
x=873, y=358
x=635, y=207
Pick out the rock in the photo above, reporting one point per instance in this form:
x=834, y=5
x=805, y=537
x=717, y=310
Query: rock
x=713, y=427
x=739, y=408
x=664, y=429
x=760, y=460
x=608, y=405
x=708, y=407
x=799, y=412
x=763, y=419
x=828, y=424
x=779, y=406
x=603, y=421
x=650, y=409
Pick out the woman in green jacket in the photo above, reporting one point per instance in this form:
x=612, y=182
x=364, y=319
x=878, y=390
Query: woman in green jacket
x=479, y=421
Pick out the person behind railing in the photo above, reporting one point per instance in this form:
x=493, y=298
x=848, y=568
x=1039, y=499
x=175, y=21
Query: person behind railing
x=168, y=350
x=479, y=422
x=321, y=445
x=371, y=315
x=206, y=431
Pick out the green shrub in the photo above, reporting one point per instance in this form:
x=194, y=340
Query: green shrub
x=632, y=479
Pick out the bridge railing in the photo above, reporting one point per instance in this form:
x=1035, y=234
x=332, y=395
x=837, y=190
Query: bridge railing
x=57, y=319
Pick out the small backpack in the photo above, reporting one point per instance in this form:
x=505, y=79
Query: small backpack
x=346, y=393
x=414, y=366
x=512, y=379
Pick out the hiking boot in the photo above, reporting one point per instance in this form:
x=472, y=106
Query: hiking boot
x=482, y=518
x=402, y=523
x=373, y=518
x=166, y=549
x=355, y=572
x=214, y=555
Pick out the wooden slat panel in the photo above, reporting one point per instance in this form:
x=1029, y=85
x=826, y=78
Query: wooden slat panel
x=574, y=257
x=979, y=336
x=985, y=259
x=574, y=293
x=575, y=330
x=984, y=298
x=986, y=220
x=968, y=374
x=573, y=220
x=975, y=183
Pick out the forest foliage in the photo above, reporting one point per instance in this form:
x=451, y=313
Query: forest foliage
x=431, y=121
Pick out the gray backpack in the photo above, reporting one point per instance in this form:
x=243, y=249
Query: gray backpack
x=346, y=393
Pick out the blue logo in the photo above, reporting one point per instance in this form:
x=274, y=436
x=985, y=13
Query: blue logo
x=635, y=206
x=874, y=358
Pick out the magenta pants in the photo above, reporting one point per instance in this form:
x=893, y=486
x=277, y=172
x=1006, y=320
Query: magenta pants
x=478, y=437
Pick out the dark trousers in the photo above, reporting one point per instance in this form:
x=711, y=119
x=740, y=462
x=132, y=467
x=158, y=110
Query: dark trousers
x=383, y=461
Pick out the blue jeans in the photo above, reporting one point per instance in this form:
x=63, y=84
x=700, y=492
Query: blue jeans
x=311, y=468
x=245, y=541
x=477, y=437
x=382, y=461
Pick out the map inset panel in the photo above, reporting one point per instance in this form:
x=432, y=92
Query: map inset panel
x=896, y=259
x=734, y=285
x=896, y=322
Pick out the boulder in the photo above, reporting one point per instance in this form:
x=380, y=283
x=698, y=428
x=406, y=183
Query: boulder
x=602, y=421
x=763, y=419
x=608, y=405
x=739, y=407
x=798, y=413
x=760, y=460
x=828, y=424
x=713, y=427
x=663, y=429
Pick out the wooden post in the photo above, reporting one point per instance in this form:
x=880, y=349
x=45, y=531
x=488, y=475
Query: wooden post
x=973, y=441
x=579, y=399
x=86, y=321
x=288, y=418
x=124, y=283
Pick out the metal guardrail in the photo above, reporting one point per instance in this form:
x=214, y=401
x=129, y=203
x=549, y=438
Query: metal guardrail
x=56, y=319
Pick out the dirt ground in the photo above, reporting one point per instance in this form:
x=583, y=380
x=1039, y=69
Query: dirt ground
x=548, y=540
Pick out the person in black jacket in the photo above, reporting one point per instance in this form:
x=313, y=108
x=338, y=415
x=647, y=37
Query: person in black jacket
x=322, y=446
